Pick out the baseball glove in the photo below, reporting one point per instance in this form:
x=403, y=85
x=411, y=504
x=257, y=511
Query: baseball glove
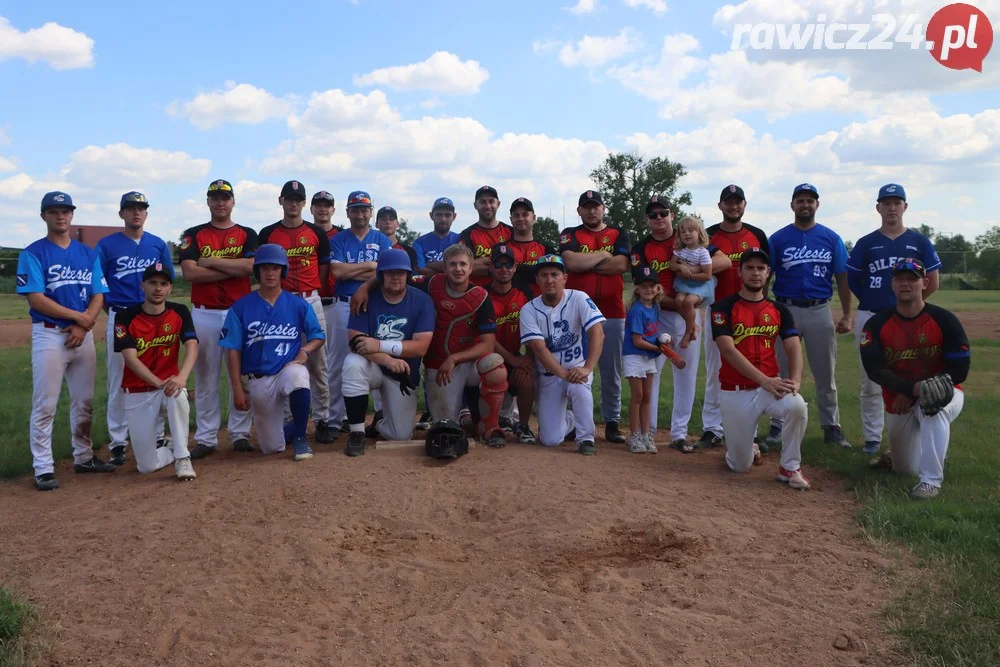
x=405, y=382
x=353, y=343
x=936, y=393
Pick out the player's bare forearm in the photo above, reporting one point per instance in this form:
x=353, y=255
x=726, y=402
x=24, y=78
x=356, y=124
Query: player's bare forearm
x=417, y=348
x=933, y=282
x=190, y=356
x=313, y=345
x=432, y=268
x=234, y=360
x=233, y=268
x=595, y=344
x=581, y=262
x=740, y=363
x=642, y=344
x=845, y=294
x=199, y=274
x=508, y=356
x=46, y=306
x=545, y=357
x=484, y=346
x=360, y=271
x=131, y=359
x=612, y=267
x=721, y=262
x=481, y=267
x=324, y=274
x=793, y=350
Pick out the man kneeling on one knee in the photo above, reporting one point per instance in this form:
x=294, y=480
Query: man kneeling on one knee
x=746, y=327
x=387, y=342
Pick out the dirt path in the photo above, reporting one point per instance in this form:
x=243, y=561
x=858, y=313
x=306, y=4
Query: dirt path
x=521, y=556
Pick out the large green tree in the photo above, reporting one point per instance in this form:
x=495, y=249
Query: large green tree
x=404, y=235
x=627, y=181
x=989, y=240
x=546, y=230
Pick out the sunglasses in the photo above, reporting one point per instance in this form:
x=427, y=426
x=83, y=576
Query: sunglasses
x=908, y=265
x=658, y=214
x=220, y=187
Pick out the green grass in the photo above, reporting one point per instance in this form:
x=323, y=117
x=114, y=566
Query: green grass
x=16, y=616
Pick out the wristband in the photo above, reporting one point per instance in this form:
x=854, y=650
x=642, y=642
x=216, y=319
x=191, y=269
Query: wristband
x=393, y=348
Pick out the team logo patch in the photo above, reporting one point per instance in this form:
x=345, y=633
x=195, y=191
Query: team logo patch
x=22, y=279
x=921, y=338
x=606, y=240
x=450, y=305
x=744, y=245
x=866, y=337
x=303, y=240
x=231, y=240
x=119, y=331
x=718, y=318
x=564, y=238
x=185, y=243
x=532, y=254
x=635, y=259
x=166, y=327
x=767, y=317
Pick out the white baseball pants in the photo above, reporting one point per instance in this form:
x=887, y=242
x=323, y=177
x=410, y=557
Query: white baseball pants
x=207, y=371
x=318, y=367
x=267, y=399
x=684, y=379
x=337, y=315
x=919, y=443
x=117, y=425
x=741, y=410
x=711, y=412
x=142, y=412
x=553, y=395
x=446, y=401
x=399, y=412
x=872, y=407
x=51, y=361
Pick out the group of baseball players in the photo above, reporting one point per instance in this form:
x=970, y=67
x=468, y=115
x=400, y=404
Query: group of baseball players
x=499, y=321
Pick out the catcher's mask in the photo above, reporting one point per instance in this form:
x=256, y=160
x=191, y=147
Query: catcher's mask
x=446, y=439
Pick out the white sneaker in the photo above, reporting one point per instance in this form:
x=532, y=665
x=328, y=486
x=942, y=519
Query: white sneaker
x=637, y=443
x=925, y=491
x=184, y=469
x=650, y=445
x=794, y=479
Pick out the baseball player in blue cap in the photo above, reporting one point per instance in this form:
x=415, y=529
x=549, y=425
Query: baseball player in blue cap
x=869, y=274
x=124, y=256
x=263, y=338
x=387, y=342
x=430, y=247
x=64, y=285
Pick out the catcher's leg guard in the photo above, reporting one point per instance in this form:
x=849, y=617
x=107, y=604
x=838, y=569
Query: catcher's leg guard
x=492, y=388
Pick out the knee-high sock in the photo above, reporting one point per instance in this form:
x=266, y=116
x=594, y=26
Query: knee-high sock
x=356, y=407
x=299, y=402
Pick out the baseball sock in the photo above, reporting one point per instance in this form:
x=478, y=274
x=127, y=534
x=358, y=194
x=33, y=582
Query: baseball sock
x=299, y=402
x=356, y=407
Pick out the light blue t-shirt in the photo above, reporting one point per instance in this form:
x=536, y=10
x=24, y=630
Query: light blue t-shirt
x=643, y=321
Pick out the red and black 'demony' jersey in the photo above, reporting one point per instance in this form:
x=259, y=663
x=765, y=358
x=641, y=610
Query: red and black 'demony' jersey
x=481, y=240
x=754, y=327
x=207, y=240
x=898, y=351
x=327, y=289
x=656, y=255
x=526, y=254
x=307, y=247
x=156, y=339
x=734, y=244
x=507, y=309
x=606, y=291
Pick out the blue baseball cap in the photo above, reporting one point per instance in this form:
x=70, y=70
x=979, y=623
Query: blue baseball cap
x=56, y=200
x=133, y=197
x=805, y=187
x=393, y=259
x=443, y=202
x=891, y=190
x=359, y=198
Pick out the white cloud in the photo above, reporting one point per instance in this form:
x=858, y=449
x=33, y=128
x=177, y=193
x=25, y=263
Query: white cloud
x=431, y=103
x=657, y=6
x=595, y=51
x=59, y=46
x=15, y=186
x=236, y=103
x=7, y=164
x=443, y=72
x=336, y=110
x=583, y=7
x=122, y=166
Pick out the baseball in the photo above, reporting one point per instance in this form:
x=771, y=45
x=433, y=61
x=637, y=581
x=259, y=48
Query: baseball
x=663, y=339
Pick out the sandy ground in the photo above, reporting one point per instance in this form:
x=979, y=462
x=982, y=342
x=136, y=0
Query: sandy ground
x=520, y=556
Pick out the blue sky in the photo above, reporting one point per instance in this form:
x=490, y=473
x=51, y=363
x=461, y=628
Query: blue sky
x=417, y=100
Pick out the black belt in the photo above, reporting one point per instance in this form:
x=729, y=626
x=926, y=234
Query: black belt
x=326, y=300
x=801, y=303
x=256, y=376
x=345, y=299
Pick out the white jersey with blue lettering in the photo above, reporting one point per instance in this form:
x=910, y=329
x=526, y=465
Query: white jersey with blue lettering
x=562, y=327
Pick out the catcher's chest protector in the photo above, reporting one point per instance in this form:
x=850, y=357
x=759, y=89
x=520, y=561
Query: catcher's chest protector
x=454, y=326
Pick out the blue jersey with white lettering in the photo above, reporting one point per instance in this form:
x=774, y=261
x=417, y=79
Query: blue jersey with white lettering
x=123, y=260
x=397, y=321
x=269, y=336
x=347, y=249
x=431, y=247
x=69, y=276
x=869, y=268
x=805, y=262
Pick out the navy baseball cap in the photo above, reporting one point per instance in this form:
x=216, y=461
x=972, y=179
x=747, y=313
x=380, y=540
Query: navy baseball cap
x=735, y=191
x=805, y=187
x=890, y=190
x=323, y=195
x=443, y=202
x=590, y=197
x=641, y=274
x=358, y=199
x=293, y=190
x=487, y=190
x=57, y=199
x=394, y=259
x=910, y=265
x=133, y=197
x=522, y=202
x=755, y=253
x=221, y=186
x=156, y=269
x=656, y=201
x=387, y=211
x=500, y=251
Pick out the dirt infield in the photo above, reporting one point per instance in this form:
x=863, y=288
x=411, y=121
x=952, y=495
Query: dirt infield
x=521, y=556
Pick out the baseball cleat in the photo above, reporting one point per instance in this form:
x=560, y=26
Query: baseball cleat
x=94, y=465
x=201, y=451
x=650, y=445
x=794, y=479
x=570, y=437
x=46, y=482
x=612, y=434
x=345, y=426
x=872, y=447
x=756, y=455
x=117, y=456
x=587, y=448
x=882, y=462
x=371, y=431
x=425, y=422
x=240, y=445
x=184, y=470
x=355, y=444
x=709, y=440
x=772, y=441
x=302, y=449
x=324, y=435
x=925, y=491
x=497, y=440
x=507, y=424
x=637, y=443
x=524, y=434
x=832, y=435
